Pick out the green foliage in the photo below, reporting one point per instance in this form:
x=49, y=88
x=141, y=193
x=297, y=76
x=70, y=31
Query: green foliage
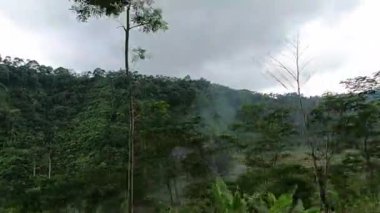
x=144, y=16
x=272, y=128
x=279, y=180
x=226, y=201
x=73, y=127
x=62, y=145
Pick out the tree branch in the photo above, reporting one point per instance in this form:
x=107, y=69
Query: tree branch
x=124, y=28
x=138, y=25
x=283, y=67
x=277, y=79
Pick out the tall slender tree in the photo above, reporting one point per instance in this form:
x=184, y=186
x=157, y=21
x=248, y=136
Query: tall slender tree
x=292, y=76
x=139, y=14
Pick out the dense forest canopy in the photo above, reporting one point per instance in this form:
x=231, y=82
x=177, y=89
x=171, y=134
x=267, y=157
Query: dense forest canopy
x=120, y=141
x=62, y=143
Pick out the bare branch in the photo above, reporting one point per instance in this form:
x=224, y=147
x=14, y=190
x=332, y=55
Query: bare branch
x=124, y=28
x=286, y=80
x=121, y=25
x=277, y=79
x=285, y=68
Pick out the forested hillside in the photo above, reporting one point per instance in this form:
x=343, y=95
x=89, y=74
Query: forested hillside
x=63, y=135
x=64, y=144
x=108, y=141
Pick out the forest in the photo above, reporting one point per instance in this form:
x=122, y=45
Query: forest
x=122, y=141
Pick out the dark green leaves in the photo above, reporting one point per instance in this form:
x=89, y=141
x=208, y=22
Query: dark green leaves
x=88, y=8
x=143, y=15
x=149, y=20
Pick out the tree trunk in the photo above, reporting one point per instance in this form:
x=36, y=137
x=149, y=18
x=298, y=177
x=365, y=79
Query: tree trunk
x=170, y=192
x=304, y=131
x=131, y=114
x=34, y=167
x=322, y=194
x=131, y=167
x=178, y=200
x=49, y=161
x=321, y=180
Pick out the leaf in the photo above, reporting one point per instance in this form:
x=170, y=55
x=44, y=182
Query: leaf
x=223, y=197
x=282, y=204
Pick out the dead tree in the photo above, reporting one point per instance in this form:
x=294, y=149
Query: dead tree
x=289, y=70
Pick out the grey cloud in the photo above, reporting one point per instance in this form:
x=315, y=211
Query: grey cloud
x=226, y=35
x=215, y=39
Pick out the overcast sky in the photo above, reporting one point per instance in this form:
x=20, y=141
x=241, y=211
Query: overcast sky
x=224, y=41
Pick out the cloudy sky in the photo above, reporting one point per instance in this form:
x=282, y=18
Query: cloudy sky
x=225, y=41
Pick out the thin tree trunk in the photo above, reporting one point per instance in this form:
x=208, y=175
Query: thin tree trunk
x=131, y=114
x=304, y=131
x=34, y=167
x=178, y=200
x=170, y=192
x=131, y=135
x=322, y=192
x=49, y=160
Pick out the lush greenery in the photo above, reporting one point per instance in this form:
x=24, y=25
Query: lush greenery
x=62, y=145
x=119, y=141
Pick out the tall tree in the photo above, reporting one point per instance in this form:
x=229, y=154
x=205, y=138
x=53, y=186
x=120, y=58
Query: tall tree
x=292, y=76
x=141, y=15
x=365, y=113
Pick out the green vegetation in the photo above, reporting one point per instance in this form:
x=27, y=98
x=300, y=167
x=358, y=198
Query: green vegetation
x=62, y=145
x=119, y=141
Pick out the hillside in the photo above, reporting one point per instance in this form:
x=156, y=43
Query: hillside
x=64, y=142
x=60, y=128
